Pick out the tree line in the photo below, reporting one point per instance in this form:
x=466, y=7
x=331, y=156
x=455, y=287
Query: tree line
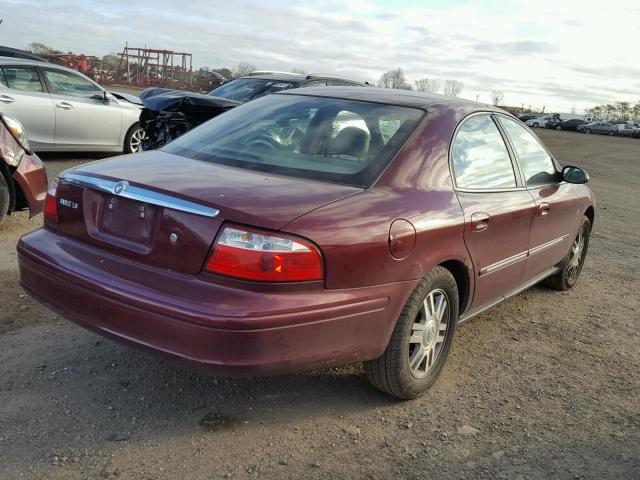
x=396, y=79
x=615, y=111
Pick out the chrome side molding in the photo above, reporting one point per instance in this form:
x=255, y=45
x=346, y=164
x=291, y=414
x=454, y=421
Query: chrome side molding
x=125, y=190
x=507, y=262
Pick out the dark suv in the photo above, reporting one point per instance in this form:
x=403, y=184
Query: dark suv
x=168, y=113
x=257, y=84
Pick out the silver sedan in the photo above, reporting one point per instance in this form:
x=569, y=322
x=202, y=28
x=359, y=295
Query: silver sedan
x=62, y=110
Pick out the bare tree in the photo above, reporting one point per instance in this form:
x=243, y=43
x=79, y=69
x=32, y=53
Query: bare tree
x=497, y=97
x=452, y=88
x=244, y=68
x=41, y=49
x=427, y=85
x=394, y=79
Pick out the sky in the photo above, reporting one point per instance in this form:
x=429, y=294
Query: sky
x=560, y=54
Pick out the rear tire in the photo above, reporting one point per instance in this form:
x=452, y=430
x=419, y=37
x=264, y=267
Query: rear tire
x=536, y=125
x=611, y=133
x=421, y=339
x=4, y=197
x=588, y=130
x=133, y=139
x=558, y=127
x=571, y=265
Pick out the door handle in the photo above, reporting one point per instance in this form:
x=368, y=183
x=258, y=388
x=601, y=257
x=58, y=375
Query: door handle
x=480, y=221
x=64, y=105
x=544, y=209
x=6, y=99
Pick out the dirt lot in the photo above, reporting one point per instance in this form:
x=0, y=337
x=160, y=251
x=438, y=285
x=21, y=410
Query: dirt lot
x=546, y=385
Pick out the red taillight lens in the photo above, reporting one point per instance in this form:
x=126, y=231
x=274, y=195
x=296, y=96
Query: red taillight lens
x=50, y=204
x=255, y=255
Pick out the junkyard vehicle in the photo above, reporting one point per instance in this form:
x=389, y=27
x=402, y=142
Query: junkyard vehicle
x=538, y=122
x=629, y=130
x=558, y=124
x=604, y=128
x=311, y=228
x=23, y=178
x=65, y=111
x=170, y=113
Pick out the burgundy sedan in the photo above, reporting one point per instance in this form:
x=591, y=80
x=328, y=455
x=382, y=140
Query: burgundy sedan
x=23, y=178
x=313, y=228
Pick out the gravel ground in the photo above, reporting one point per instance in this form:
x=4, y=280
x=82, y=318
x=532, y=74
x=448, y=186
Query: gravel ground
x=546, y=385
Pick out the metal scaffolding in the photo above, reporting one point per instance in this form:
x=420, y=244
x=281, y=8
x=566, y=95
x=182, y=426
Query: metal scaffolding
x=151, y=67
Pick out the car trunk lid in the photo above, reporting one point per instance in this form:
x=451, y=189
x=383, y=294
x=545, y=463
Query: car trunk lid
x=166, y=210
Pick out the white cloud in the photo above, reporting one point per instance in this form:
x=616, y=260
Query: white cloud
x=547, y=52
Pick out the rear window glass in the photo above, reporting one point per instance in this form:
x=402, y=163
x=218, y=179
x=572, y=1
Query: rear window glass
x=22, y=78
x=245, y=89
x=310, y=137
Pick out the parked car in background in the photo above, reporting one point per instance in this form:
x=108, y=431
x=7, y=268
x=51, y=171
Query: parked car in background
x=23, y=178
x=538, y=122
x=604, y=128
x=168, y=113
x=571, y=125
x=524, y=117
x=629, y=130
x=245, y=245
x=65, y=111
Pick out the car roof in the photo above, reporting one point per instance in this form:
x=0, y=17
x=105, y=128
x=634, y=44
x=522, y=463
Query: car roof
x=389, y=96
x=34, y=63
x=299, y=77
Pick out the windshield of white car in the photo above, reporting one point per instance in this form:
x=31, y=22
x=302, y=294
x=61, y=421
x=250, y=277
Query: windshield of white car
x=326, y=139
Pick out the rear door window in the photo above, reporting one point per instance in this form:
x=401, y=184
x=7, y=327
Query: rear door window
x=480, y=158
x=22, y=78
x=536, y=164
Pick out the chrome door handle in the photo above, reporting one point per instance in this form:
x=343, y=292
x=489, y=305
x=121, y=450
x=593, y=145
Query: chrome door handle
x=64, y=105
x=480, y=221
x=544, y=209
x=6, y=99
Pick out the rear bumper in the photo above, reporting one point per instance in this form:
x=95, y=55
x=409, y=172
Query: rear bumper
x=217, y=326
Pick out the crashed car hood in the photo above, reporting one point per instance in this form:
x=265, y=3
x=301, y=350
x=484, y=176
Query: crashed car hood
x=242, y=196
x=127, y=97
x=167, y=100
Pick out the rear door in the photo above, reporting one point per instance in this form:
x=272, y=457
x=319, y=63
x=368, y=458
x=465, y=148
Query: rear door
x=497, y=208
x=23, y=96
x=83, y=119
x=557, y=207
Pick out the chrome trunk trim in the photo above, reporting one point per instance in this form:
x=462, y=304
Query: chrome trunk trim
x=125, y=190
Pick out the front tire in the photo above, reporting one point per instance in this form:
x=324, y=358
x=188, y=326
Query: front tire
x=4, y=197
x=558, y=127
x=421, y=339
x=571, y=265
x=536, y=125
x=133, y=139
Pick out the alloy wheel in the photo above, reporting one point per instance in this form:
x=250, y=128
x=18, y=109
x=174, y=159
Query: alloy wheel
x=428, y=333
x=136, y=140
x=575, y=256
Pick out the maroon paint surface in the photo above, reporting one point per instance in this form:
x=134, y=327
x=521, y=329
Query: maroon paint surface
x=136, y=286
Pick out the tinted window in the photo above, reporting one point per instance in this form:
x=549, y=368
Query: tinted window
x=309, y=137
x=480, y=157
x=67, y=83
x=22, y=78
x=535, y=162
x=245, y=89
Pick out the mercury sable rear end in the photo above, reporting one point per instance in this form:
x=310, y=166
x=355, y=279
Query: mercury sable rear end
x=305, y=230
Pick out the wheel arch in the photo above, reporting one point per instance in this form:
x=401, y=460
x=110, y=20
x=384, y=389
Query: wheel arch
x=462, y=277
x=590, y=214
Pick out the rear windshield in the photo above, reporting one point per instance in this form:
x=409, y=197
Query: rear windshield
x=318, y=138
x=245, y=89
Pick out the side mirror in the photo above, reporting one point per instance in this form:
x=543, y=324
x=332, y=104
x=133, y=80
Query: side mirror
x=572, y=174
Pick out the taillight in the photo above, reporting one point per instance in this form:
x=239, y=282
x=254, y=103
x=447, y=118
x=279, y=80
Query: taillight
x=263, y=256
x=50, y=204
